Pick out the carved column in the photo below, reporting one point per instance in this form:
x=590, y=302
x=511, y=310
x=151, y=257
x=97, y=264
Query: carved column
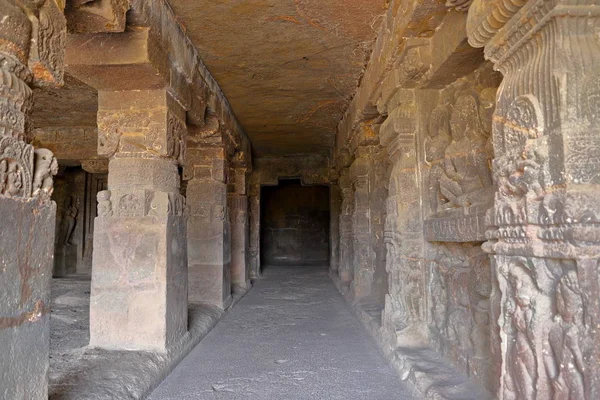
x=366, y=222
x=237, y=201
x=209, y=242
x=543, y=229
x=346, y=268
x=335, y=204
x=31, y=53
x=139, y=268
x=254, y=247
x=404, y=316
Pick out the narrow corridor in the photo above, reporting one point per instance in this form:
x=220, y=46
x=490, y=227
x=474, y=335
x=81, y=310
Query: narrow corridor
x=291, y=337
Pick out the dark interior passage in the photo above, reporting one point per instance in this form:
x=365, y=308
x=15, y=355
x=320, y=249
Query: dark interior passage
x=295, y=224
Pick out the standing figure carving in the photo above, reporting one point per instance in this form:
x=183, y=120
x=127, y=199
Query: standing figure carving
x=521, y=377
x=435, y=146
x=69, y=220
x=564, y=358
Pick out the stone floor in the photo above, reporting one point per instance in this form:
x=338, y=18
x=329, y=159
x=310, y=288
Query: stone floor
x=292, y=337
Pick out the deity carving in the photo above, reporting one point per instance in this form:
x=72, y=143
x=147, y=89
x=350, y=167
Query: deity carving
x=458, y=150
x=521, y=363
x=564, y=357
x=435, y=147
x=46, y=166
x=104, y=204
x=466, y=179
x=69, y=220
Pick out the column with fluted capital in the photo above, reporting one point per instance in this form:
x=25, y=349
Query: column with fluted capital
x=543, y=230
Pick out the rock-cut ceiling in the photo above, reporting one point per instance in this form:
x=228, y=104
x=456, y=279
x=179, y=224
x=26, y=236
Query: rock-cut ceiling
x=288, y=67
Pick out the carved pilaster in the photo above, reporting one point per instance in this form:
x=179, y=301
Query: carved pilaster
x=346, y=265
x=543, y=229
x=237, y=203
x=367, y=173
x=404, y=315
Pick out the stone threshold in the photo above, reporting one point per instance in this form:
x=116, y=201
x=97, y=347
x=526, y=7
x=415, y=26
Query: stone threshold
x=421, y=367
x=115, y=374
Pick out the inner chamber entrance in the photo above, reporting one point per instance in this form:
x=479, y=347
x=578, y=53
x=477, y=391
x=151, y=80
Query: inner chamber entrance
x=294, y=224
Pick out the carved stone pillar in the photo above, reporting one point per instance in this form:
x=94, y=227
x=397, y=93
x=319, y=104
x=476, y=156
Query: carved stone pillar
x=209, y=243
x=31, y=53
x=237, y=201
x=335, y=204
x=254, y=247
x=139, y=268
x=367, y=223
x=404, y=316
x=346, y=268
x=543, y=229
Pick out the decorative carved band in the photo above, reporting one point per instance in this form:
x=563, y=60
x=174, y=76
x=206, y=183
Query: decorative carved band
x=139, y=203
x=456, y=227
x=487, y=17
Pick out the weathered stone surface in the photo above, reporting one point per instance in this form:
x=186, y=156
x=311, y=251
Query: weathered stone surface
x=31, y=48
x=26, y=248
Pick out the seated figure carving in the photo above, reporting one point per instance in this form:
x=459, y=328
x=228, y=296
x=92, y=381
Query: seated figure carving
x=466, y=179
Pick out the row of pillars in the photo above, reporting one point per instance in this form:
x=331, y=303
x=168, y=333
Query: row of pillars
x=155, y=249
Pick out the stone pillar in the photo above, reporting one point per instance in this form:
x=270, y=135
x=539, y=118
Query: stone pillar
x=209, y=251
x=363, y=255
x=335, y=204
x=139, y=268
x=237, y=202
x=543, y=230
x=27, y=215
x=254, y=200
x=404, y=316
x=346, y=268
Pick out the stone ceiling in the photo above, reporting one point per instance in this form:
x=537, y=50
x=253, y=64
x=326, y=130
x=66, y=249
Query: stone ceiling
x=288, y=67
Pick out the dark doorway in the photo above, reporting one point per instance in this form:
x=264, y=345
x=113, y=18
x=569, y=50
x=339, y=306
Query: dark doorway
x=294, y=224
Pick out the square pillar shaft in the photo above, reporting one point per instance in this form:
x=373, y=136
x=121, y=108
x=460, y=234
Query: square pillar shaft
x=139, y=268
x=209, y=255
x=238, y=205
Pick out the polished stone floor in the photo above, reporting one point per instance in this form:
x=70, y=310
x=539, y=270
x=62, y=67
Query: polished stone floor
x=292, y=337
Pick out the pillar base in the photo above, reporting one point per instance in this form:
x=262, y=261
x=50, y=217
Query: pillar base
x=26, y=248
x=139, y=277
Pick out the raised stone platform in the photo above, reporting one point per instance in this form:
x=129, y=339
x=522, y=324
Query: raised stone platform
x=79, y=372
x=421, y=367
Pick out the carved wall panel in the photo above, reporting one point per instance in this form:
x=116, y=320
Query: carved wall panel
x=455, y=145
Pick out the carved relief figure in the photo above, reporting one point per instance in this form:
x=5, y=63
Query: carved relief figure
x=564, y=358
x=104, y=204
x=466, y=180
x=521, y=375
x=46, y=166
x=69, y=220
x=435, y=146
x=14, y=180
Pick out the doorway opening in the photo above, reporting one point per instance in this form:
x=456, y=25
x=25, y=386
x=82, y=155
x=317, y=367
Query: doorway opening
x=294, y=224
